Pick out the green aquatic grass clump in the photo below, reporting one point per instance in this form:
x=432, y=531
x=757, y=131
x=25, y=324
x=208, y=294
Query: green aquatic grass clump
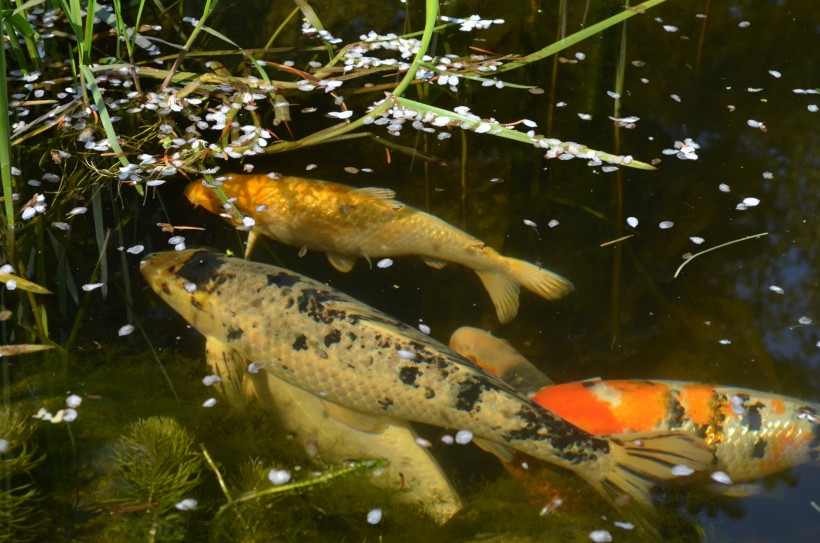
x=328, y=506
x=156, y=467
x=21, y=517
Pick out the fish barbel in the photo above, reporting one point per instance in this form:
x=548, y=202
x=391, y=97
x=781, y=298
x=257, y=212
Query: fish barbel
x=351, y=355
x=752, y=433
x=348, y=223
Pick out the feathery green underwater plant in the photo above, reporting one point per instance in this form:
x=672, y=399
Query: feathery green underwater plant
x=156, y=466
x=20, y=515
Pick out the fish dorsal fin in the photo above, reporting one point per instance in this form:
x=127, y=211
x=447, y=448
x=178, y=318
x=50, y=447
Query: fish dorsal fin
x=229, y=366
x=356, y=419
x=343, y=263
x=373, y=193
x=434, y=263
x=376, y=195
x=504, y=453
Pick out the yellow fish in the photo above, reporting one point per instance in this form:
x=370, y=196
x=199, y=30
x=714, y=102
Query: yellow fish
x=364, y=362
x=348, y=223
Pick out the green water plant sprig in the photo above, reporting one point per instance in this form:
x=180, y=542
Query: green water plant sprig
x=156, y=470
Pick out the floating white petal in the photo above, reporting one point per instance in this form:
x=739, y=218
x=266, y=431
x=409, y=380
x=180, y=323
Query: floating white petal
x=600, y=536
x=374, y=516
x=188, y=504
x=682, y=471
x=278, y=477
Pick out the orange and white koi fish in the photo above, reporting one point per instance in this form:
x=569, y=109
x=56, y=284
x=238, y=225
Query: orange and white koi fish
x=348, y=223
x=752, y=433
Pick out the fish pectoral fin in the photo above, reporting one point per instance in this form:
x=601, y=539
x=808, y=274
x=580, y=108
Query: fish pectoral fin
x=252, y=239
x=372, y=424
x=342, y=263
x=504, y=453
x=503, y=290
x=229, y=366
x=434, y=263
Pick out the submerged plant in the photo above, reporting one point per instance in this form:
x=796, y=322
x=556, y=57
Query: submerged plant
x=21, y=518
x=156, y=470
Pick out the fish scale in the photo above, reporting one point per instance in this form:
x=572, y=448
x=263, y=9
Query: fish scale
x=347, y=353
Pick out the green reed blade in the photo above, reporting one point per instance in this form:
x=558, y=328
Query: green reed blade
x=5, y=154
x=579, y=36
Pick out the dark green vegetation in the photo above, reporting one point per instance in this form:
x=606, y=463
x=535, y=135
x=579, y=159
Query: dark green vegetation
x=98, y=121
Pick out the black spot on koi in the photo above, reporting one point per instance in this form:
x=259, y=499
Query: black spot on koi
x=469, y=394
x=759, y=449
x=201, y=267
x=300, y=344
x=333, y=337
x=752, y=418
x=408, y=375
x=283, y=279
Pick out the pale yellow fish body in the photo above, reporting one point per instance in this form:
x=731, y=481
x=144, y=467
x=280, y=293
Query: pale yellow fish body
x=314, y=424
x=349, y=223
x=361, y=360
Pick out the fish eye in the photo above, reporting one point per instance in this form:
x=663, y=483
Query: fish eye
x=166, y=288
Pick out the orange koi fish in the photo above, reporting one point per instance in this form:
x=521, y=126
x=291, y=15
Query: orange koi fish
x=752, y=433
x=348, y=223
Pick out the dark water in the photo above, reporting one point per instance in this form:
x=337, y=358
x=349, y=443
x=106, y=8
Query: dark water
x=719, y=321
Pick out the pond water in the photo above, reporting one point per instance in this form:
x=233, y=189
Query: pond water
x=737, y=78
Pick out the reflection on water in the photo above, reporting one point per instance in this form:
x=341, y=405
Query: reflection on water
x=743, y=315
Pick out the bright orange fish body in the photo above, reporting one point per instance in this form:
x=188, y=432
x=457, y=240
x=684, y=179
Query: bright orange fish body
x=752, y=433
x=348, y=223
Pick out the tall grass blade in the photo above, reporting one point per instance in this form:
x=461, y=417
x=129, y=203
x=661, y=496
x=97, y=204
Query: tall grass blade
x=579, y=36
x=5, y=154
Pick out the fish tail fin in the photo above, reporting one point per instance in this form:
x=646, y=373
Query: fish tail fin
x=503, y=290
x=642, y=460
x=547, y=284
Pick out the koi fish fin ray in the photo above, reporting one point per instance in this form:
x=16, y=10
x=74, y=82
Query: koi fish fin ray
x=342, y=263
x=640, y=461
x=434, y=263
x=356, y=419
x=502, y=452
x=503, y=290
x=378, y=195
x=229, y=366
x=541, y=281
x=253, y=237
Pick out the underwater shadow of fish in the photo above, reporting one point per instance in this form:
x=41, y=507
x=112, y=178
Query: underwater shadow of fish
x=349, y=223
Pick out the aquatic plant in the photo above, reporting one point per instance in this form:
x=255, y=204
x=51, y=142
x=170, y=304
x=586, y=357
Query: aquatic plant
x=21, y=516
x=156, y=470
